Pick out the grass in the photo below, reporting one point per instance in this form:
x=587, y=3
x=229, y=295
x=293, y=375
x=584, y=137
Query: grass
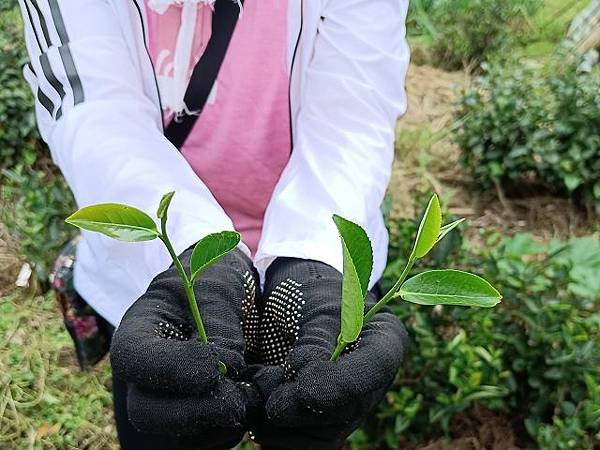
x=45, y=401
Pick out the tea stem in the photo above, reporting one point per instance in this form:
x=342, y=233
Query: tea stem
x=187, y=283
x=338, y=350
x=380, y=304
x=390, y=295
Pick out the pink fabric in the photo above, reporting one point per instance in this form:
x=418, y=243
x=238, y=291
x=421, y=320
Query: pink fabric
x=241, y=142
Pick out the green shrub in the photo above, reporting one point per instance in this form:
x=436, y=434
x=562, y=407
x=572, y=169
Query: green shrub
x=34, y=197
x=534, y=359
x=17, y=120
x=520, y=125
x=466, y=32
x=36, y=203
x=6, y=5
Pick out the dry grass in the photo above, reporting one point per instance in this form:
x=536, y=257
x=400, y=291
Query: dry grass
x=424, y=150
x=476, y=429
x=10, y=262
x=45, y=402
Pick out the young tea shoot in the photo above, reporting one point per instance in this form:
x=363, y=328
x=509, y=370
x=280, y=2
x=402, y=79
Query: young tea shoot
x=434, y=287
x=358, y=264
x=126, y=223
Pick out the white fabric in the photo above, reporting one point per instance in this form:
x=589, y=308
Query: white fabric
x=183, y=55
x=160, y=6
x=347, y=90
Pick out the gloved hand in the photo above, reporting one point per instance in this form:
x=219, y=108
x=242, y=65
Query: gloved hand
x=174, y=385
x=311, y=402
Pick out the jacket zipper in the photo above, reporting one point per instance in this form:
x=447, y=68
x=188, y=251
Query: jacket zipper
x=292, y=74
x=151, y=64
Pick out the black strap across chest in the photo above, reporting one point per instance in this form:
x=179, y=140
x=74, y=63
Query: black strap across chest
x=224, y=20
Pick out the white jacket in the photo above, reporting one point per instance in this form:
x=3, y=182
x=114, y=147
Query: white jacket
x=98, y=109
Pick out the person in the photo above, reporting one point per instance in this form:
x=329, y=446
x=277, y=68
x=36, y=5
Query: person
x=265, y=117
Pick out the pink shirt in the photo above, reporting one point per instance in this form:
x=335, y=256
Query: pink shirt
x=241, y=141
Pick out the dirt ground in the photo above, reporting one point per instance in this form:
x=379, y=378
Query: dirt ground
x=422, y=141
x=478, y=429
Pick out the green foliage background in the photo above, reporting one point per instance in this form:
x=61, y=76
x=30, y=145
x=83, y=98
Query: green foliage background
x=462, y=33
x=533, y=361
x=520, y=125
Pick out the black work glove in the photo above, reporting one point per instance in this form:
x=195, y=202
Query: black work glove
x=174, y=385
x=311, y=402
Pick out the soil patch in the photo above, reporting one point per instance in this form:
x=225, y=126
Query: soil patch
x=477, y=429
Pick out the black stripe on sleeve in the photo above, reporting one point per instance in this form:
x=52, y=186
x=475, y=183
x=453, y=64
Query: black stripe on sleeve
x=42, y=23
x=49, y=74
x=42, y=98
x=65, y=53
x=32, y=25
x=46, y=102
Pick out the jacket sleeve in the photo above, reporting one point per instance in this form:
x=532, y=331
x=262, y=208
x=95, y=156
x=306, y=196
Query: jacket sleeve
x=104, y=132
x=351, y=98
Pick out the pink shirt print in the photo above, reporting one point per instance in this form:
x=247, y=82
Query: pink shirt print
x=241, y=141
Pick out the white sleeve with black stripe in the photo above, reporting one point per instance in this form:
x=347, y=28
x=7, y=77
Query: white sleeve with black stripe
x=104, y=133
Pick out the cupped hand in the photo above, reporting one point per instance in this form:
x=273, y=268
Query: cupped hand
x=310, y=401
x=174, y=383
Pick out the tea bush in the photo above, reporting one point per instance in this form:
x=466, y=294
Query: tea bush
x=7, y=5
x=522, y=125
x=35, y=203
x=464, y=32
x=34, y=197
x=534, y=359
x=17, y=121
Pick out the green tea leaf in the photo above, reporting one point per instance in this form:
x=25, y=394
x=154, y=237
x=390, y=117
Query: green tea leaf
x=449, y=287
x=164, y=204
x=358, y=264
x=359, y=247
x=117, y=221
x=212, y=248
x=447, y=229
x=429, y=229
x=353, y=301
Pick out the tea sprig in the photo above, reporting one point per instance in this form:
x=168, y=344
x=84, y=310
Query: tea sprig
x=129, y=224
x=434, y=287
